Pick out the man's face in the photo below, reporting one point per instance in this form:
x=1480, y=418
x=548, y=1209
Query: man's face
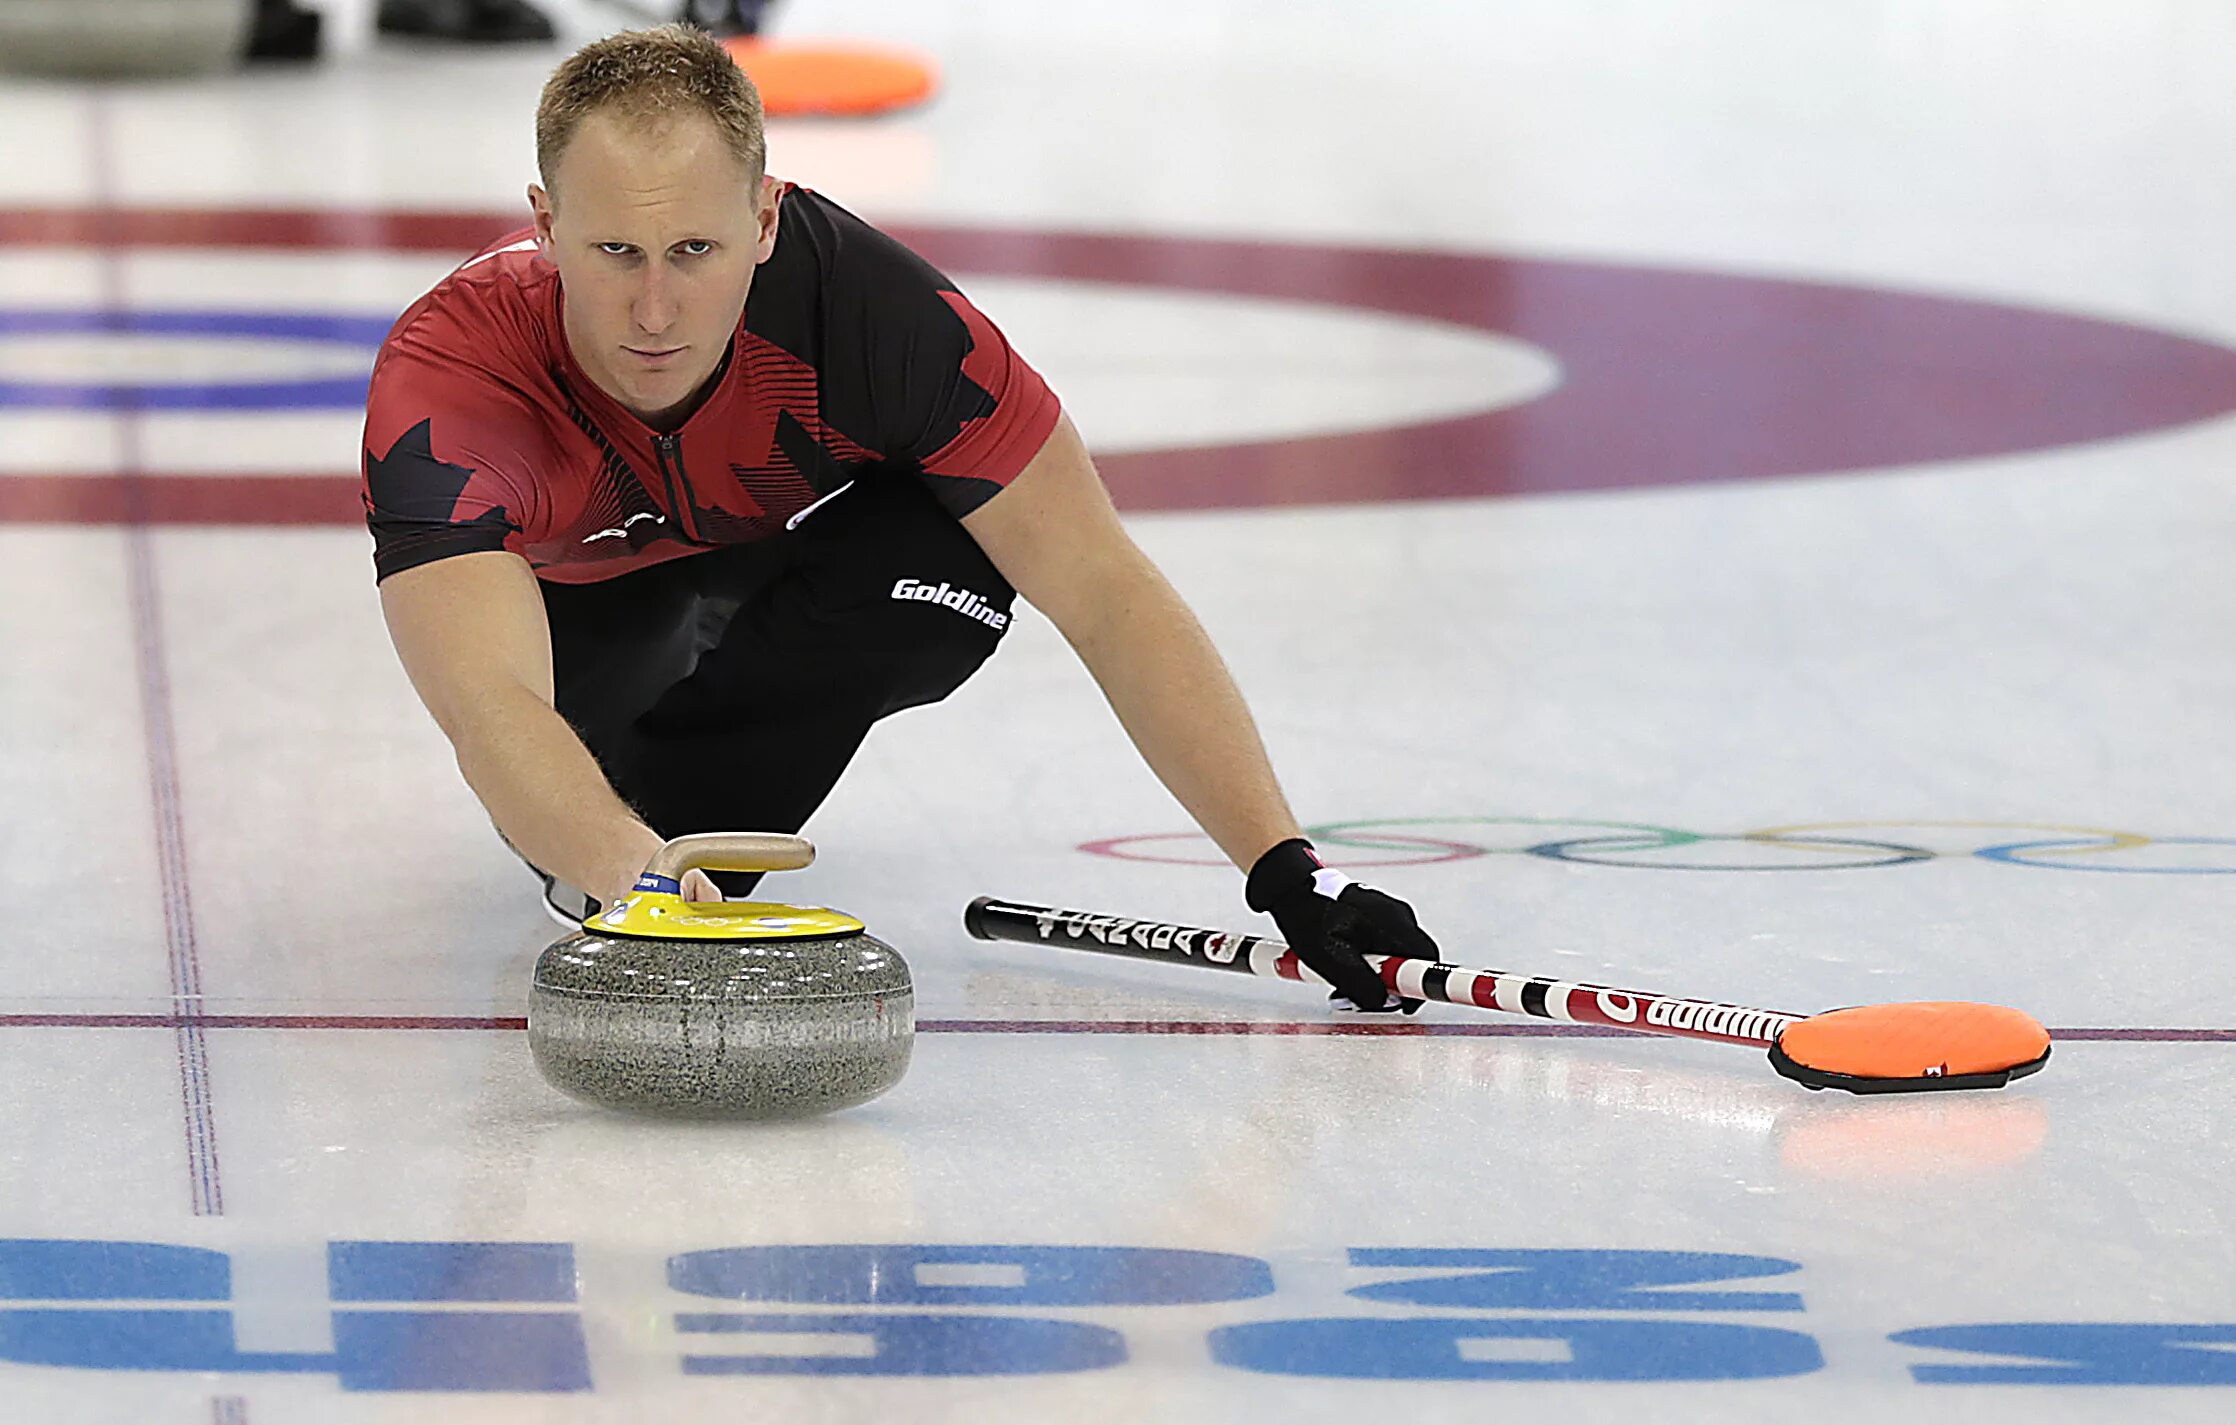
x=655, y=232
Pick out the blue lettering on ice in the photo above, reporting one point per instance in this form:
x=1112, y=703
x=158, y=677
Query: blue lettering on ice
x=67, y=1270
x=450, y=1271
x=904, y=1345
x=373, y=1350
x=1568, y=1280
x=539, y=1351
x=2081, y=1353
x=928, y=1274
x=140, y=1306
x=1514, y=1348
x=139, y=1340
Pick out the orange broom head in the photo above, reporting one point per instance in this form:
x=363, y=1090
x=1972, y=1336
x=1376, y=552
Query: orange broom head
x=833, y=77
x=1892, y=1048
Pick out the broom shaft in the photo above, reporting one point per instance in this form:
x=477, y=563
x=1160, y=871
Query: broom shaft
x=1566, y=1001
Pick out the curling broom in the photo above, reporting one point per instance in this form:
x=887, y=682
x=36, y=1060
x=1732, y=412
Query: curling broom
x=1880, y=1048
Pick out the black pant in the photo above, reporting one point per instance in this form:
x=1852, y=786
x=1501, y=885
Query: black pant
x=727, y=691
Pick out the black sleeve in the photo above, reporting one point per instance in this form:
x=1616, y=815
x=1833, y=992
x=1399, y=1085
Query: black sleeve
x=911, y=369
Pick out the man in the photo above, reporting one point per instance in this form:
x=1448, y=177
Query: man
x=679, y=491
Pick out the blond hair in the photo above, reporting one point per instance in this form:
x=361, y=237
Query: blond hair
x=647, y=77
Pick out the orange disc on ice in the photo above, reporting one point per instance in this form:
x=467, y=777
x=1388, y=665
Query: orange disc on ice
x=830, y=77
x=1890, y=1048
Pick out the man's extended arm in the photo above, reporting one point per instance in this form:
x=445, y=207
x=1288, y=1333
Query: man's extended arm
x=471, y=633
x=1056, y=538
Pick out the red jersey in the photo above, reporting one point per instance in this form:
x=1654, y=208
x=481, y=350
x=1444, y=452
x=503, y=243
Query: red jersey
x=854, y=359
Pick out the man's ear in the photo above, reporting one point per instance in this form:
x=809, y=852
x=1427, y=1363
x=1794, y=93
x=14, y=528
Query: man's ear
x=540, y=202
x=766, y=217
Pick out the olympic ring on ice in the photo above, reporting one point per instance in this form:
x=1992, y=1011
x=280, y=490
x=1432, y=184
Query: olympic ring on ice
x=1811, y=846
x=1126, y=848
x=2010, y=855
x=1611, y=847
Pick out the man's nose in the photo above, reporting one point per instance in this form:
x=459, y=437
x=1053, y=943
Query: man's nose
x=655, y=308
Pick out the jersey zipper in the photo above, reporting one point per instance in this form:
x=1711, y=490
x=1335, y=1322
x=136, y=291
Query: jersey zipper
x=668, y=450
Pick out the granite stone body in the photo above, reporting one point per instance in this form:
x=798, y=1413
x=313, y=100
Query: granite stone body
x=123, y=38
x=743, y=1029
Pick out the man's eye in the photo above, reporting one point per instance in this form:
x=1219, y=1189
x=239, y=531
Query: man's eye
x=615, y=249
x=697, y=247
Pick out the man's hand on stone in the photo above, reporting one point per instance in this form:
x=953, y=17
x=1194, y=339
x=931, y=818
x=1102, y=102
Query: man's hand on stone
x=618, y=887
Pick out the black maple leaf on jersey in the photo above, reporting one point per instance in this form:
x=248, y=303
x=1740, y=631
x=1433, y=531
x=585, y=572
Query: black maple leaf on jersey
x=816, y=465
x=410, y=484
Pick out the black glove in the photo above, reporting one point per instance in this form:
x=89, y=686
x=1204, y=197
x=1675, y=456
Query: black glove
x=1331, y=921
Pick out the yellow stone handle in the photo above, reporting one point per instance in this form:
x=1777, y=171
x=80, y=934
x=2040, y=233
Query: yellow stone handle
x=731, y=851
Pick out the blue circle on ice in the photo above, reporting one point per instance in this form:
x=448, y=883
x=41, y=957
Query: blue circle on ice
x=317, y=392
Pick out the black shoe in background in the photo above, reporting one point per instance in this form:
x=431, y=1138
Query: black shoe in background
x=566, y=905
x=727, y=17
x=283, y=31
x=471, y=21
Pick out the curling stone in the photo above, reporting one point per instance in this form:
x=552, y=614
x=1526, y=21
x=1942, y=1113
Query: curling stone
x=736, y=1009
x=102, y=39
